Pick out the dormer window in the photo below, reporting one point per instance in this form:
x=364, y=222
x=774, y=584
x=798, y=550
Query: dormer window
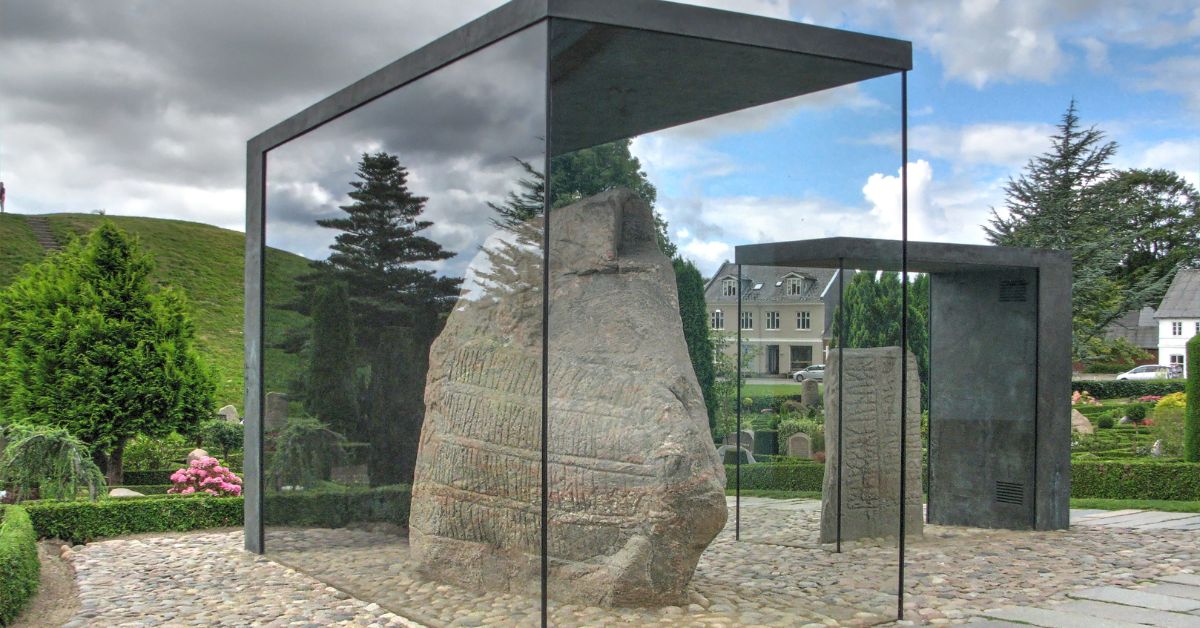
x=795, y=286
x=729, y=288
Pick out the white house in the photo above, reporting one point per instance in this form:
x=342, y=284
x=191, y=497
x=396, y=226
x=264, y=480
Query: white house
x=1178, y=317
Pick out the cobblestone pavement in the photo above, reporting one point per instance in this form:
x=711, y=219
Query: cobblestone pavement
x=777, y=575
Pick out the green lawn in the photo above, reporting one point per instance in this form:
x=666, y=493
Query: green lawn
x=19, y=246
x=775, y=390
x=776, y=494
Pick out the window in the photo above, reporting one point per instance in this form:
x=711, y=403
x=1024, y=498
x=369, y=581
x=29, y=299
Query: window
x=772, y=320
x=1176, y=359
x=795, y=287
x=729, y=288
x=801, y=357
x=747, y=320
x=718, y=319
x=1177, y=328
x=803, y=320
x=1198, y=327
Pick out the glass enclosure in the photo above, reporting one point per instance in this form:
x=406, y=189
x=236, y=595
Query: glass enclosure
x=481, y=397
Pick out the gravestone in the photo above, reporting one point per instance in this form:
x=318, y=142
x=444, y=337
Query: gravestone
x=125, y=492
x=638, y=491
x=229, y=413
x=275, y=415
x=356, y=474
x=726, y=455
x=731, y=439
x=871, y=449
x=1080, y=423
x=196, y=454
x=810, y=394
x=799, y=445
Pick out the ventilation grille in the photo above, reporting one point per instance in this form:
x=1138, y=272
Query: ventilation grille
x=1010, y=493
x=1013, y=290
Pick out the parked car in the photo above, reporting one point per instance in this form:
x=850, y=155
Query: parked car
x=1146, y=371
x=814, y=372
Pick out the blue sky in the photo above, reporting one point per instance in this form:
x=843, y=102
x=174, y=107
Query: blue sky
x=144, y=109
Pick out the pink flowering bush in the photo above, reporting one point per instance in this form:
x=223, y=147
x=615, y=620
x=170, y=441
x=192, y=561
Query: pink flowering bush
x=205, y=475
x=1083, y=398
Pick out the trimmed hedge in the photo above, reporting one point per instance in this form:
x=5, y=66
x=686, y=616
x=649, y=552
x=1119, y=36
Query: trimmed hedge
x=335, y=509
x=1109, y=389
x=19, y=565
x=83, y=521
x=1135, y=480
x=1096, y=479
x=780, y=476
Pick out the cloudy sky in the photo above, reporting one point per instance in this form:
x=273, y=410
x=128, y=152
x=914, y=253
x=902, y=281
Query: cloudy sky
x=144, y=108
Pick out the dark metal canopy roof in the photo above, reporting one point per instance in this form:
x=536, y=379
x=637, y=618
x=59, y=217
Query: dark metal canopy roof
x=618, y=68
x=923, y=257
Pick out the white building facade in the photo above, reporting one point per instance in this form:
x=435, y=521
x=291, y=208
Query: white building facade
x=1178, y=318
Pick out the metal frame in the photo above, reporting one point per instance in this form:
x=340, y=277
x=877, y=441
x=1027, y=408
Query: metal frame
x=887, y=55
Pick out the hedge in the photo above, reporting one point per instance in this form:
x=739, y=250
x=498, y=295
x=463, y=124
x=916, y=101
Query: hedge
x=1110, y=389
x=1095, y=479
x=19, y=565
x=83, y=521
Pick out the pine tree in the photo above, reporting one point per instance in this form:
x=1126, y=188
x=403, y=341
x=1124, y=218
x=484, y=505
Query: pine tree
x=89, y=345
x=330, y=391
x=398, y=307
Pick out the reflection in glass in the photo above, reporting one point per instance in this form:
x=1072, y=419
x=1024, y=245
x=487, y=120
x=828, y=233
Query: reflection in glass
x=403, y=371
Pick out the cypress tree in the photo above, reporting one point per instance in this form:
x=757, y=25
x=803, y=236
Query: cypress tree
x=694, y=316
x=1191, y=426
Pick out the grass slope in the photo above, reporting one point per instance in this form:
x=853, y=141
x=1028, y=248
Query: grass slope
x=204, y=261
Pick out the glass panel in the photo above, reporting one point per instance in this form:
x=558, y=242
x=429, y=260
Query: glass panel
x=638, y=515
x=404, y=340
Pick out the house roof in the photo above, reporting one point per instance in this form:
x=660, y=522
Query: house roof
x=767, y=284
x=1138, y=327
x=1183, y=297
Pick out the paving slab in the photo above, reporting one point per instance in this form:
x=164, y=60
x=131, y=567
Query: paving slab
x=1183, y=523
x=1183, y=578
x=1130, y=597
x=1113, y=513
x=1174, y=589
x=993, y=623
x=1137, y=519
x=1107, y=610
x=1056, y=619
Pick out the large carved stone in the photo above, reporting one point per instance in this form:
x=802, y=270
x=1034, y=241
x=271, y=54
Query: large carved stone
x=871, y=447
x=636, y=490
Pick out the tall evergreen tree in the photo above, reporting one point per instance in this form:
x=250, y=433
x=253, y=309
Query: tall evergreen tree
x=398, y=306
x=1066, y=200
x=89, y=345
x=694, y=315
x=330, y=391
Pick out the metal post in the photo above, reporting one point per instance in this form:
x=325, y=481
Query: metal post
x=841, y=313
x=737, y=483
x=903, y=336
x=545, y=460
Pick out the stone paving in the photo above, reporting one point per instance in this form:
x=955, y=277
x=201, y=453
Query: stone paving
x=777, y=575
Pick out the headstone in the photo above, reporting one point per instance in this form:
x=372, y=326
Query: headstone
x=638, y=490
x=731, y=439
x=229, y=413
x=124, y=492
x=196, y=454
x=726, y=455
x=871, y=448
x=810, y=393
x=276, y=411
x=799, y=445
x=1080, y=423
x=1157, y=449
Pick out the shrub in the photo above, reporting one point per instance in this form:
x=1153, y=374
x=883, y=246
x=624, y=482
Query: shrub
x=19, y=566
x=1136, y=413
x=152, y=477
x=1108, y=367
x=762, y=421
x=795, y=476
x=1105, y=422
x=791, y=406
x=205, y=475
x=1173, y=400
x=1112, y=389
x=814, y=429
x=1083, y=398
x=337, y=508
x=144, y=453
x=306, y=450
x=80, y=522
x=222, y=435
x=1168, y=427
x=48, y=462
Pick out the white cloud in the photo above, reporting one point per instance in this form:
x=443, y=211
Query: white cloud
x=1003, y=144
x=1180, y=156
x=1177, y=75
x=936, y=212
x=1096, y=53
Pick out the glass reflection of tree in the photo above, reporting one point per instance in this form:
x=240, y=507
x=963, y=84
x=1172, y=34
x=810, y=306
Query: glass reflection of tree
x=393, y=311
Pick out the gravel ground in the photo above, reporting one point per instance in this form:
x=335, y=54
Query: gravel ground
x=777, y=575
